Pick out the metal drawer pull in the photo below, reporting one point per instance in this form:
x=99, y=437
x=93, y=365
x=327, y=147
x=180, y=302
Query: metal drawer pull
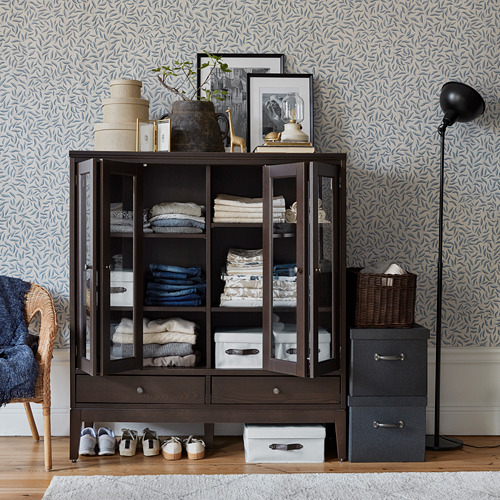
x=379, y=357
x=140, y=390
x=399, y=425
x=286, y=447
x=276, y=390
x=241, y=352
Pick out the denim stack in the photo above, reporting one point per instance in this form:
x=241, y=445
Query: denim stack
x=175, y=286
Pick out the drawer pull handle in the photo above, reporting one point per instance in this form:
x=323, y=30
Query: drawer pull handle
x=276, y=390
x=379, y=357
x=286, y=447
x=399, y=425
x=241, y=352
x=140, y=390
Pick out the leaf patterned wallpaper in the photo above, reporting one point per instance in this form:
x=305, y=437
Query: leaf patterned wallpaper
x=378, y=68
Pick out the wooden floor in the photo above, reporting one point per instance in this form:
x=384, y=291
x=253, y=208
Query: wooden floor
x=22, y=473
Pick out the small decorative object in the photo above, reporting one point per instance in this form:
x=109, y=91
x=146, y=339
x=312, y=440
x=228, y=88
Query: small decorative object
x=460, y=103
x=163, y=134
x=235, y=140
x=292, y=112
x=146, y=132
x=235, y=82
x=120, y=114
x=194, y=125
x=265, y=96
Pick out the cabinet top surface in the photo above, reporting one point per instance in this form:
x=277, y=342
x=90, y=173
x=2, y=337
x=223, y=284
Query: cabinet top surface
x=208, y=158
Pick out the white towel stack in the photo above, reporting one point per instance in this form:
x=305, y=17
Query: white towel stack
x=229, y=208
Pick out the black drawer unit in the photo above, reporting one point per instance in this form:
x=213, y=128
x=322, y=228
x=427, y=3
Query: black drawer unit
x=387, y=394
x=390, y=429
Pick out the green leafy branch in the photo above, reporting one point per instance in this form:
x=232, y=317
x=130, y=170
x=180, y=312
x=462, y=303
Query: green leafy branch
x=183, y=72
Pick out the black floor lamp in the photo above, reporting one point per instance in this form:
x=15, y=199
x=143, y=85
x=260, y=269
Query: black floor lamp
x=460, y=103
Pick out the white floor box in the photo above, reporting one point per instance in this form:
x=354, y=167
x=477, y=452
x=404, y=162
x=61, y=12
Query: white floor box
x=284, y=443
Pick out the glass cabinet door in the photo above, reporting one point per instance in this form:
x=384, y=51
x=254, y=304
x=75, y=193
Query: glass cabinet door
x=86, y=267
x=121, y=265
x=285, y=273
x=326, y=270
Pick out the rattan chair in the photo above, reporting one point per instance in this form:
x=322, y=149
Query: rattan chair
x=39, y=300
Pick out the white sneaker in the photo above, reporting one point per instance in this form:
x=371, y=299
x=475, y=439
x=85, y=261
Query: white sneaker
x=128, y=443
x=171, y=448
x=195, y=448
x=150, y=443
x=88, y=442
x=107, y=441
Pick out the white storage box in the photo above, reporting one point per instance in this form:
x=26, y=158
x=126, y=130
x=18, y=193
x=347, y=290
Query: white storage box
x=285, y=344
x=284, y=443
x=238, y=348
x=122, y=288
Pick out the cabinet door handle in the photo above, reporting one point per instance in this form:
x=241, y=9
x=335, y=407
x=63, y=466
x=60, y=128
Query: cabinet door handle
x=276, y=390
x=286, y=447
x=241, y=352
x=140, y=390
x=380, y=357
x=399, y=425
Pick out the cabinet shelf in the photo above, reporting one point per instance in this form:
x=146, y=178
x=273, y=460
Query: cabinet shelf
x=200, y=236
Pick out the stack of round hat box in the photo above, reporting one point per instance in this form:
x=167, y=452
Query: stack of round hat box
x=120, y=114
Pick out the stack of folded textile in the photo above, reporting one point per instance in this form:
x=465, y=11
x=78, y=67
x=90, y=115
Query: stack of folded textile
x=175, y=286
x=166, y=342
x=243, y=281
x=291, y=213
x=177, y=217
x=122, y=221
x=229, y=208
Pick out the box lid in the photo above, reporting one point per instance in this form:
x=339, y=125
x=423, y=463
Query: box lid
x=415, y=332
x=261, y=431
x=125, y=275
x=288, y=335
x=239, y=335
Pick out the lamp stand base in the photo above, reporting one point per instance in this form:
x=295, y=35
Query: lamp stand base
x=443, y=443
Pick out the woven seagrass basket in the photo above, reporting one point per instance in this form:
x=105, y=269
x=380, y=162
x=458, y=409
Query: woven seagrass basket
x=382, y=300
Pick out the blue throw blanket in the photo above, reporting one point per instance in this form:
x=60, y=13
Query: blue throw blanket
x=18, y=367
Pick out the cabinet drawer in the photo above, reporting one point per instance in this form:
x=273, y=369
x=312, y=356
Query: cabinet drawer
x=140, y=389
x=279, y=390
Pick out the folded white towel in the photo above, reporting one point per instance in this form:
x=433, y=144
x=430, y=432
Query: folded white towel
x=157, y=326
x=156, y=338
x=394, y=269
x=176, y=207
x=241, y=201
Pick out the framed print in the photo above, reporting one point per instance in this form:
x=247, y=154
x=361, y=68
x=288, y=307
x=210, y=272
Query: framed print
x=265, y=94
x=163, y=134
x=145, y=135
x=235, y=83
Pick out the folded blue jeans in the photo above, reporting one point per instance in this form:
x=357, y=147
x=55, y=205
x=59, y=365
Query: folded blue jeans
x=159, y=302
x=181, y=272
x=172, y=288
x=176, y=281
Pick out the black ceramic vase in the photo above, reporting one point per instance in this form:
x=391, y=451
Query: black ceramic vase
x=195, y=127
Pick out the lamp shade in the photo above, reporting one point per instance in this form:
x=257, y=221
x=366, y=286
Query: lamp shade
x=460, y=102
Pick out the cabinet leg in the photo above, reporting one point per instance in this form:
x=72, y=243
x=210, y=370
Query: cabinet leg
x=75, y=425
x=341, y=434
x=209, y=435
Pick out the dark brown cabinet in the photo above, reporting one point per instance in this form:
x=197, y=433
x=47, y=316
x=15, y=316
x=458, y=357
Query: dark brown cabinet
x=307, y=384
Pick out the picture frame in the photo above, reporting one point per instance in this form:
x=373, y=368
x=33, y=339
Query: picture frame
x=145, y=135
x=163, y=134
x=265, y=93
x=236, y=83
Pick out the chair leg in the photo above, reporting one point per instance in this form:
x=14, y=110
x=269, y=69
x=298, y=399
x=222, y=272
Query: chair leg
x=31, y=421
x=47, y=438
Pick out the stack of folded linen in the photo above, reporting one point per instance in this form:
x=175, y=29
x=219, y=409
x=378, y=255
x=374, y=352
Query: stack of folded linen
x=175, y=286
x=244, y=285
x=291, y=213
x=166, y=342
x=122, y=221
x=177, y=217
x=229, y=208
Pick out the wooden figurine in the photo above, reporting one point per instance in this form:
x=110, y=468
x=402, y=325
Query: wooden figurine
x=235, y=140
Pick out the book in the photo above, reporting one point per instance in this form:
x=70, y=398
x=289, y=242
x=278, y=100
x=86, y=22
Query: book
x=284, y=149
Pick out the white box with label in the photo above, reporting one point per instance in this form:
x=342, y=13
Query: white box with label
x=284, y=443
x=122, y=288
x=238, y=348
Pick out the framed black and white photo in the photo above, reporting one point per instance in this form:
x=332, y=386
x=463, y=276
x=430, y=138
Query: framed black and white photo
x=235, y=83
x=265, y=95
x=163, y=131
x=145, y=135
